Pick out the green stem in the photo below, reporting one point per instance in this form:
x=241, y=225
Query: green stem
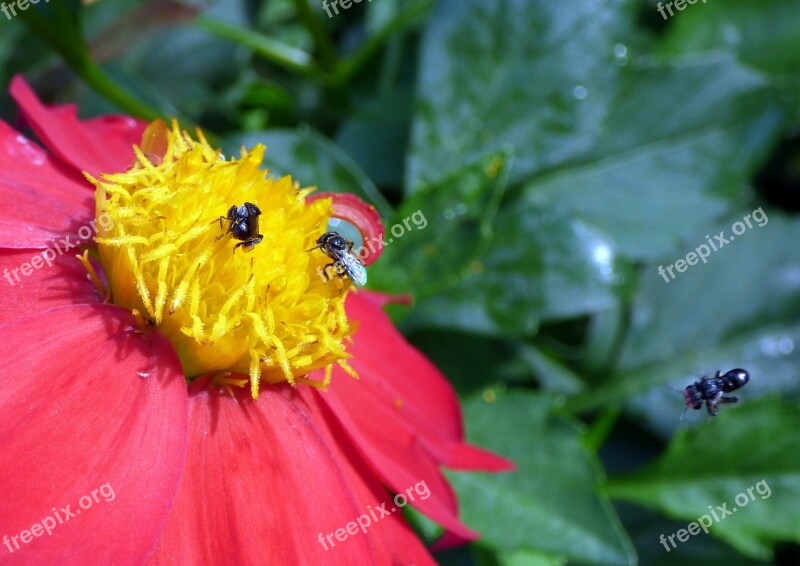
x=602, y=427
x=61, y=31
x=265, y=47
x=407, y=16
x=327, y=53
x=99, y=81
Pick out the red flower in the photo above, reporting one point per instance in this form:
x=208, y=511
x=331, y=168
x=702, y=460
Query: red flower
x=109, y=457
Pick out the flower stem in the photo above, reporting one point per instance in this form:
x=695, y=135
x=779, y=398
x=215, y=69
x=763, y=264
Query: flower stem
x=265, y=47
x=60, y=28
x=327, y=53
x=408, y=15
x=100, y=82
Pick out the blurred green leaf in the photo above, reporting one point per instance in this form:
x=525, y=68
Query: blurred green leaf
x=312, y=160
x=531, y=558
x=8, y=42
x=376, y=135
x=645, y=527
x=701, y=470
x=550, y=504
x=471, y=362
x=262, y=45
x=738, y=26
x=60, y=25
x=550, y=372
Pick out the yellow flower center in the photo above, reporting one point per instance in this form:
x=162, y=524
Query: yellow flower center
x=167, y=246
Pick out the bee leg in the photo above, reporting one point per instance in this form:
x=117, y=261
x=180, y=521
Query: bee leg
x=340, y=270
x=713, y=405
x=325, y=272
x=225, y=233
x=731, y=399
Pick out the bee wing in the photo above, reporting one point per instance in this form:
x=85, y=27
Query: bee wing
x=356, y=271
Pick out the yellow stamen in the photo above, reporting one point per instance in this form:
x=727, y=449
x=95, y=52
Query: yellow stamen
x=266, y=313
x=98, y=284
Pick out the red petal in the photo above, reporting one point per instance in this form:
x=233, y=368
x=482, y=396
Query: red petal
x=61, y=284
x=42, y=200
x=405, y=383
x=380, y=300
x=392, y=369
x=363, y=216
x=260, y=486
x=99, y=145
x=468, y=457
x=84, y=428
x=397, y=455
x=403, y=415
x=393, y=541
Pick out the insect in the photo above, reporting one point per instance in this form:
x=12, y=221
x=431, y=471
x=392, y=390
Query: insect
x=710, y=390
x=345, y=262
x=243, y=225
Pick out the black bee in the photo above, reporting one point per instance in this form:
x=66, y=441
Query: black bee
x=340, y=250
x=710, y=390
x=243, y=225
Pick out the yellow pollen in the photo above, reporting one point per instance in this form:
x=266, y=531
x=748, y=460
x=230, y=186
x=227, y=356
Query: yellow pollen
x=262, y=311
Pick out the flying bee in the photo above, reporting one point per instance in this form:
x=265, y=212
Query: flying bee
x=243, y=225
x=710, y=390
x=345, y=262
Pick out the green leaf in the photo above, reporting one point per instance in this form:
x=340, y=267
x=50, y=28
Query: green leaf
x=624, y=141
x=312, y=160
x=667, y=156
x=544, y=265
x=550, y=504
x=438, y=253
x=551, y=372
x=539, y=266
x=531, y=558
x=645, y=528
x=751, y=281
x=470, y=362
x=60, y=26
x=738, y=26
x=713, y=465
x=513, y=74
x=376, y=135
x=739, y=309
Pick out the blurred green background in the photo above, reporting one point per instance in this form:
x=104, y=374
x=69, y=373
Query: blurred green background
x=559, y=153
